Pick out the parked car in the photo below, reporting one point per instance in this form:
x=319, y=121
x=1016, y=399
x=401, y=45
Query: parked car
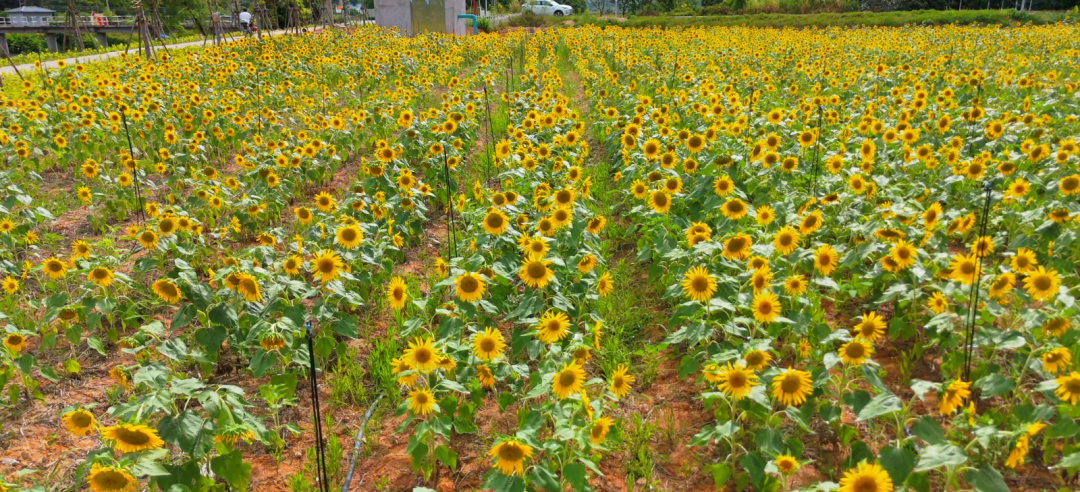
x=547, y=7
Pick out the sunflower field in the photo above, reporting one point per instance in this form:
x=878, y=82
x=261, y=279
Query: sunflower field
x=584, y=259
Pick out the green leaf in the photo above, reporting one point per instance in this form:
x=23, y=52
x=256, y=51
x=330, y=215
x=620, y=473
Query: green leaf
x=174, y=348
x=575, y=474
x=447, y=456
x=233, y=469
x=938, y=455
x=183, y=316
x=498, y=482
x=770, y=440
x=897, y=461
x=185, y=431
x=224, y=315
x=1071, y=461
x=986, y=479
x=928, y=430
x=262, y=361
x=94, y=342
x=543, y=477
x=211, y=338
x=993, y=385
x=688, y=366
x=880, y=405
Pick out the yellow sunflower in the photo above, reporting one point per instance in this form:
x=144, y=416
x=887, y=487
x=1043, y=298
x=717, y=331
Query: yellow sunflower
x=470, y=287
x=130, y=438
x=327, y=265
x=1042, y=284
x=54, y=268
x=1069, y=388
x=737, y=247
x=791, y=387
x=568, y=381
x=535, y=272
x=397, y=293
x=79, y=422
x=108, y=479
x=660, y=202
x=349, y=236
x=736, y=381
x=488, y=345
x=786, y=240
x=866, y=478
x=825, y=259
x=604, y=284
x=553, y=326
x=167, y=291
x=1057, y=360
x=953, y=397
x=856, y=352
x=872, y=327
x=766, y=307
x=510, y=456
x=599, y=430
x=421, y=401
x=496, y=222
x=698, y=284
x=421, y=355
x=734, y=209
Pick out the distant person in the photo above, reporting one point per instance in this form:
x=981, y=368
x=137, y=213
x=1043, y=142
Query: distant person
x=245, y=21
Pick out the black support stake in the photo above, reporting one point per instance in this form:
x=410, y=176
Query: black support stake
x=973, y=308
x=316, y=414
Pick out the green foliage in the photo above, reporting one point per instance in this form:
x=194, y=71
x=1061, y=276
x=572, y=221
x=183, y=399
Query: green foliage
x=20, y=43
x=347, y=380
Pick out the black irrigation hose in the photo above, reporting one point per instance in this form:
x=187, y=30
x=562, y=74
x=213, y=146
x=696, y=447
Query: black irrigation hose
x=356, y=443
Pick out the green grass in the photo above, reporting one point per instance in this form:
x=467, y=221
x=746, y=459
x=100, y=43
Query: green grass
x=894, y=19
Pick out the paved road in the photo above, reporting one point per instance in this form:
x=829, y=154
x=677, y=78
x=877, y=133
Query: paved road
x=6, y=68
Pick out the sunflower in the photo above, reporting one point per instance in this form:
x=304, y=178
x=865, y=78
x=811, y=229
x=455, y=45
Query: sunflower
x=734, y=209
x=856, y=352
x=421, y=355
x=397, y=293
x=937, y=303
x=327, y=265
x=1024, y=261
x=764, y=215
x=1019, y=452
x=109, y=479
x=488, y=345
x=303, y=214
x=324, y=202
x=596, y=224
x=484, y=374
x=698, y=284
x=249, y=288
x=953, y=397
x=568, y=381
x=510, y=456
x=1069, y=388
x=586, y=263
x=757, y=359
x=737, y=247
x=866, y=478
x=791, y=386
x=292, y=265
x=965, y=269
x=101, y=276
x=167, y=291
x=495, y=222
x=931, y=216
x=79, y=422
x=904, y=254
x=130, y=438
x=54, y=268
x=872, y=327
x=761, y=278
x=15, y=342
x=553, y=326
x=349, y=236
x=736, y=381
x=825, y=259
x=470, y=287
x=10, y=285
x=786, y=240
x=621, y=381
x=786, y=464
x=148, y=239
x=1002, y=284
x=421, y=401
x=599, y=430
x=1069, y=185
x=660, y=202
x=766, y=307
x=639, y=189
x=1057, y=360
x=811, y=223
x=723, y=186
x=535, y=272
x=80, y=250
x=1042, y=284
x=604, y=284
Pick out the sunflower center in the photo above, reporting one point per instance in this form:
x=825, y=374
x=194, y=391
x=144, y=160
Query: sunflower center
x=169, y=290
x=1042, y=282
x=1070, y=183
x=700, y=284
x=597, y=431
x=754, y=359
x=348, y=234
x=1073, y=386
x=55, y=266
x=903, y=253
x=567, y=379
x=967, y=268
x=825, y=259
x=469, y=284
x=422, y=355
x=399, y=293
x=736, y=379
x=421, y=398
x=855, y=351
x=326, y=265
x=735, y=207
x=81, y=419
x=865, y=484
x=15, y=339
x=110, y=480
x=765, y=307
x=736, y=245
x=100, y=274
x=660, y=199
x=786, y=239
x=511, y=453
x=133, y=437
x=790, y=384
x=487, y=345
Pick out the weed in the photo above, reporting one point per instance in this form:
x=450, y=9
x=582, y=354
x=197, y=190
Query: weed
x=347, y=382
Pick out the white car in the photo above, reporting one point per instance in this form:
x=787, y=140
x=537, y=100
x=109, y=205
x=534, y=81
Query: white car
x=547, y=7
